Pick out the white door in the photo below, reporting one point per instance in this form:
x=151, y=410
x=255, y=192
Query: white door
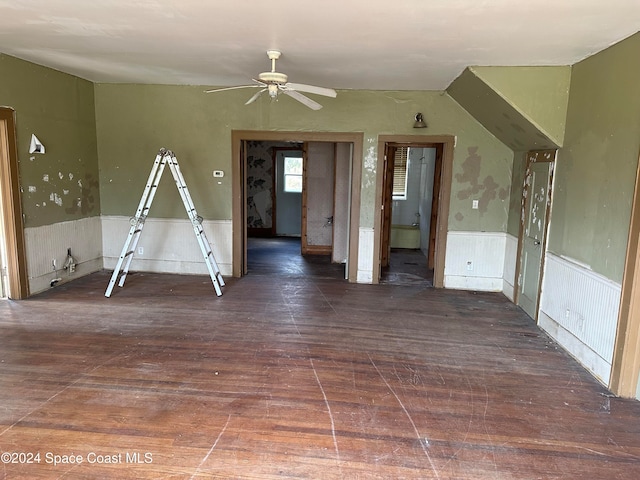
x=537, y=197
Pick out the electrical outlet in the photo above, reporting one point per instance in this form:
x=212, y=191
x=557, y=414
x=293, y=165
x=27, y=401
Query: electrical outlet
x=474, y=204
x=470, y=266
x=140, y=250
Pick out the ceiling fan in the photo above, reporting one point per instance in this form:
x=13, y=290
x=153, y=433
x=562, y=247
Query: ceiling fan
x=274, y=83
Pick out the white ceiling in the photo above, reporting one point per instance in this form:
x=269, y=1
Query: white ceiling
x=344, y=44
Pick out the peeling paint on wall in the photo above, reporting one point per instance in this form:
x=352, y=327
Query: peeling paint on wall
x=370, y=161
x=61, y=190
x=484, y=190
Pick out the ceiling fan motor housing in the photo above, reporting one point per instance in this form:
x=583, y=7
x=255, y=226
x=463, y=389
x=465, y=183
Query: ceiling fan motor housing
x=272, y=77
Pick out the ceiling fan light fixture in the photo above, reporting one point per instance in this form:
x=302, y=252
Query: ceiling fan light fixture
x=274, y=83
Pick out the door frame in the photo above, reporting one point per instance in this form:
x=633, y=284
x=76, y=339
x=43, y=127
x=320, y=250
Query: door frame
x=625, y=369
x=447, y=144
x=12, y=220
x=534, y=156
x=238, y=187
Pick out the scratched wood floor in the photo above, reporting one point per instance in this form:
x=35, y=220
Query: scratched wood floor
x=297, y=375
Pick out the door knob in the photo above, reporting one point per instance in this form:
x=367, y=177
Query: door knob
x=536, y=242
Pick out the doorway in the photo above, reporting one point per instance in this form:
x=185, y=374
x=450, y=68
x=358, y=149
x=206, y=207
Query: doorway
x=241, y=140
x=536, y=205
x=13, y=265
x=407, y=239
x=289, y=172
x=430, y=221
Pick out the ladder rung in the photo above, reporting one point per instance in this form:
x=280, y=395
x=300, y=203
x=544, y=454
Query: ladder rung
x=130, y=252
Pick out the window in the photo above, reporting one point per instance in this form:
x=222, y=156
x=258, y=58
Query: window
x=400, y=165
x=293, y=174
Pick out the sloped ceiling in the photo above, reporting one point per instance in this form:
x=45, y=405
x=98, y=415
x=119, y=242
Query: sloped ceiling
x=526, y=111
x=357, y=44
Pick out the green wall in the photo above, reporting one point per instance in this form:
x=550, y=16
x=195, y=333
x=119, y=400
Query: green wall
x=540, y=93
x=61, y=184
x=134, y=121
x=596, y=169
x=101, y=141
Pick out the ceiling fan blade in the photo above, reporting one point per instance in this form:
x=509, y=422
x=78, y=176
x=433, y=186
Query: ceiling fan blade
x=255, y=97
x=258, y=84
x=302, y=99
x=230, y=88
x=300, y=87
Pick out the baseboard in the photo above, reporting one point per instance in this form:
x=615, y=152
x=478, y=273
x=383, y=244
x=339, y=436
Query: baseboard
x=318, y=250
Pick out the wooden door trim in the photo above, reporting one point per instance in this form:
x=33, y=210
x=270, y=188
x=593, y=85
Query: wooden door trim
x=435, y=204
x=447, y=143
x=534, y=156
x=625, y=368
x=304, y=247
x=386, y=213
x=12, y=208
x=238, y=186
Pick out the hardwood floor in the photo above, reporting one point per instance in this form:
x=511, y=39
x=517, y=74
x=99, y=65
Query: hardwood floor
x=297, y=377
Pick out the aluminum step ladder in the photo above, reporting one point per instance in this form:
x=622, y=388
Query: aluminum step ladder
x=163, y=158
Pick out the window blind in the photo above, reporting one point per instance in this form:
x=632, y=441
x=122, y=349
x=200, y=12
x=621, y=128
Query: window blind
x=400, y=172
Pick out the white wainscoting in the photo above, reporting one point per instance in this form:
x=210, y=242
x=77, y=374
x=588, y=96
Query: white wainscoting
x=579, y=309
x=49, y=242
x=365, y=255
x=475, y=261
x=169, y=245
x=509, y=272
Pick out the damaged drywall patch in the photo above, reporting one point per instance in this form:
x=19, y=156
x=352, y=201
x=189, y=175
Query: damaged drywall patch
x=55, y=198
x=64, y=189
x=85, y=203
x=484, y=190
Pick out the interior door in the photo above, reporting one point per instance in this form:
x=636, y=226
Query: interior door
x=536, y=195
x=288, y=204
